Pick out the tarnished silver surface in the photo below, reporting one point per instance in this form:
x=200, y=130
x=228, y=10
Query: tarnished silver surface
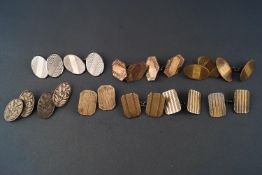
x=74, y=64
x=61, y=94
x=241, y=101
x=94, y=64
x=45, y=105
x=55, y=66
x=173, y=104
x=194, y=101
x=13, y=110
x=29, y=102
x=217, y=106
x=39, y=67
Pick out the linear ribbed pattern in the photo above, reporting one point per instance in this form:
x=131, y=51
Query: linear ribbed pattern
x=172, y=102
x=217, y=106
x=194, y=101
x=241, y=101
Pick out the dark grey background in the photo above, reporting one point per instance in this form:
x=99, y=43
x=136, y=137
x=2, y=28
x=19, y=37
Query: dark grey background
x=108, y=143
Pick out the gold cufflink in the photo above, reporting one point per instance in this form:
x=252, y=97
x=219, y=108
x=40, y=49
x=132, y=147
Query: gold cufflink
x=88, y=100
x=151, y=68
x=225, y=70
x=217, y=103
x=167, y=102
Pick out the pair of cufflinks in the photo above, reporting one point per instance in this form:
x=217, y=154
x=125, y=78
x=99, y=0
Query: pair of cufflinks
x=168, y=102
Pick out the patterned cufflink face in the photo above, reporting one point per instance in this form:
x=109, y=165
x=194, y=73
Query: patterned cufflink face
x=155, y=104
x=196, y=72
x=131, y=105
x=224, y=69
x=241, y=101
x=217, y=106
x=194, y=102
x=247, y=70
x=172, y=104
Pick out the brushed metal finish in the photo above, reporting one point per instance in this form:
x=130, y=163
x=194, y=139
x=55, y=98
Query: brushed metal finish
x=74, y=64
x=247, y=70
x=131, y=105
x=155, y=104
x=224, y=69
x=217, y=106
x=39, y=67
x=106, y=97
x=173, y=104
x=13, y=110
x=87, y=102
x=29, y=102
x=194, y=101
x=55, y=66
x=241, y=101
x=94, y=64
x=196, y=72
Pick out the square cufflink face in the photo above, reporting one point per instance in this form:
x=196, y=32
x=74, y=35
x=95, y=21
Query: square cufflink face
x=131, y=105
x=217, y=105
x=241, y=101
x=172, y=101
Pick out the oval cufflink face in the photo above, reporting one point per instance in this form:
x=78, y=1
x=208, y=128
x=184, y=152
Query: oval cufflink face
x=131, y=105
x=155, y=104
x=136, y=71
x=45, y=105
x=224, y=69
x=119, y=69
x=61, y=94
x=209, y=64
x=55, y=66
x=241, y=101
x=196, y=72
x=172, y=102
x=87, y=102
x=39, y=67
x=106, y=97
x=94, y=64
x=74, y=64
x=217, y=106
x=153, y=68
x=29, y=102
x=194, y=101
x=247, y=70
x=173, y=65
x=13, y=110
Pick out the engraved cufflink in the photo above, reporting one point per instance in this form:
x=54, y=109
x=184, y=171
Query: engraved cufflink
x=54, y=65
x=151, y=68
x=217, y=103
x=88, y=100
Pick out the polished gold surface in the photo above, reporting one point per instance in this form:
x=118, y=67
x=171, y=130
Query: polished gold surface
x=194, y=101
x=217, y=106
x=87, y=102
x=196, y=72
x=241, y=101
x=106, y=97
x=209, y=64
x=173, y=65
x=172, y=101
x=224, y=69
x=131, y=105
x=247, y=70
x=155, y=104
